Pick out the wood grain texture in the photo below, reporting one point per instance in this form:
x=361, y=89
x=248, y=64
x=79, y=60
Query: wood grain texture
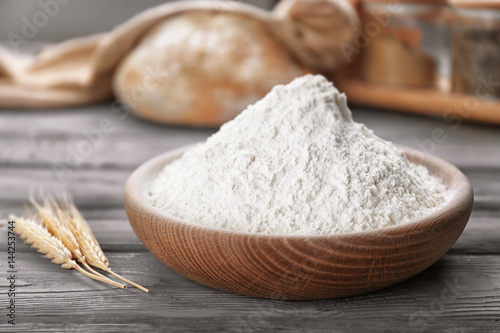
x=38, y=139
x=298, y=267
x=70, y=302
x=52, y=299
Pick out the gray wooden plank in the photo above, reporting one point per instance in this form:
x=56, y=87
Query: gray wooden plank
x=486, y=188
x=113, y=236
x=104, y=187
x=481, y=236
x=51, y=298
x=114, y=233
x=70, y=137
x=99, y=195
x=40, y=138
x=457, y=292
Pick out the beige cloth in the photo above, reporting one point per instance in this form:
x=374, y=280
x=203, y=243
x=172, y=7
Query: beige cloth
x=80, y=71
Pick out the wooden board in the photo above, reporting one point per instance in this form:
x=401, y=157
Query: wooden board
x=427, y=101
x=51, y=298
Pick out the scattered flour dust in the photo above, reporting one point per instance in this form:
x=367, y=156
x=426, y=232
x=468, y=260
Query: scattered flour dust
x=295, y=163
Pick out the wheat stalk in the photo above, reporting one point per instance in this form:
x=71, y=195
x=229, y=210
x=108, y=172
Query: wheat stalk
x=89, y=245
x=50, y=246
x=55, y=219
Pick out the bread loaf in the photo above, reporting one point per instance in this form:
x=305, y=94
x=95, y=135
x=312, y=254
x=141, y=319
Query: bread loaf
x=202, y=68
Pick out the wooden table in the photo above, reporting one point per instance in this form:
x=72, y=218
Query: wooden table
x=460, y=293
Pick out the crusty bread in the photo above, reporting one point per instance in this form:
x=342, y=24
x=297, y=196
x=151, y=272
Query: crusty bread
x=184, y=62
x=202, y=68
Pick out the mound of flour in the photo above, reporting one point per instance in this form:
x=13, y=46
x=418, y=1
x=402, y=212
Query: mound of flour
x=296, y=163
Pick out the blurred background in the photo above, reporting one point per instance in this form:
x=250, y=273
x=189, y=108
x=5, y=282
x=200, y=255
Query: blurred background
x=81, y=18
x=422, y=74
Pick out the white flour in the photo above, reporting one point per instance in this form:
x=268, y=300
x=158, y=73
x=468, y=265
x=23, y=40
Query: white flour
x=296, y=163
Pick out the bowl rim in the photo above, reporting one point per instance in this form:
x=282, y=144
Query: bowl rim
x=137, y=186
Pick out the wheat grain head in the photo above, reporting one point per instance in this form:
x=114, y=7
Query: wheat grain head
x=84, y=236
x=39, y=237
x=56, y=222
x=88, y=243
x=51, y=247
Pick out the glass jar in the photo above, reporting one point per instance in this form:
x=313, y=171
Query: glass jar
x=407, y=43
x=476, y=48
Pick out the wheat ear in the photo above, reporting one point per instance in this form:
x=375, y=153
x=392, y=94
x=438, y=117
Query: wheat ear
x=55, y=225
x=90, y=247
x=56, y=220
x=51, y=247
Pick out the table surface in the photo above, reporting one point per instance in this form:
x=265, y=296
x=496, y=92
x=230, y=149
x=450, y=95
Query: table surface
x=460, y=293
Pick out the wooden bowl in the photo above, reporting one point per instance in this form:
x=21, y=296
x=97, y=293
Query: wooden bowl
x=298, y=267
